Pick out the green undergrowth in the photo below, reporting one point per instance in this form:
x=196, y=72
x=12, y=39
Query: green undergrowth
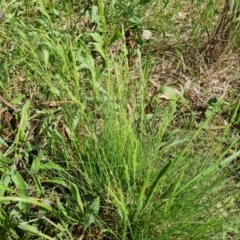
x=88, y=151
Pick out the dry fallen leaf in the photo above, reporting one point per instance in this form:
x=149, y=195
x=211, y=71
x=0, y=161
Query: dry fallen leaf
x=164, y=96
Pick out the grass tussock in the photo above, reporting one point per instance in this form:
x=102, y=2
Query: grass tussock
x=119, y=120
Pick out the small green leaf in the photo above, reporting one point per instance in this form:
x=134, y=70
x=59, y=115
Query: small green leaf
x=115, y=37
x=135, y=20
x=94, y=14
x=32, y=230
x=169, y=92
x=22, y=187
x=96, y=37
x=23, y=123
x=212, y=101
x=2, y=142
x=36, y=164
x=98, y=48
x=5, y=182
x=18, y=99
x=76, y=195
x=61, y=207
x=100, y=88
x=91, y=213
x=55, y=90
x=149, y=116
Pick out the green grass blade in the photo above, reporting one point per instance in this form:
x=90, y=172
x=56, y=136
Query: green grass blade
x=38, y=185
x=155, y=183
x=214, y=168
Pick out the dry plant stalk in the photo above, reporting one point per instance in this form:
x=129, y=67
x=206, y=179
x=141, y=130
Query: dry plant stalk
x=222, y=35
